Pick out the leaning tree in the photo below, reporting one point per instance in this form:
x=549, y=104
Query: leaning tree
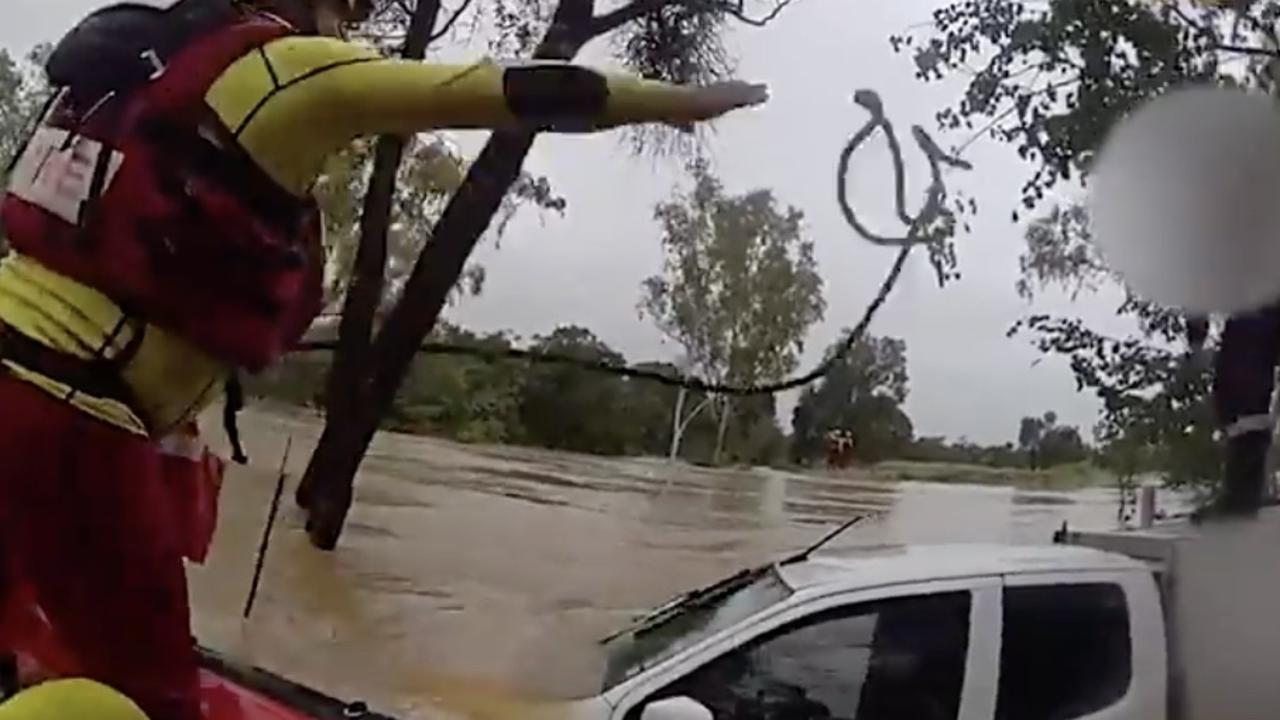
x=675, y=40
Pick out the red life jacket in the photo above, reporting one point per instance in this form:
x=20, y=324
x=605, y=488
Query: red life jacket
x=132, y=186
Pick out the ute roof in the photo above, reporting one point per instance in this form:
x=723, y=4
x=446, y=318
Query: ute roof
x=890, y=564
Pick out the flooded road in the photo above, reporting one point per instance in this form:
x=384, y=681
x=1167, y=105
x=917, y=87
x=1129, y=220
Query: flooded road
x=486, y=567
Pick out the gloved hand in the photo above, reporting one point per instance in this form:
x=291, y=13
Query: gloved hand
x=712, y=101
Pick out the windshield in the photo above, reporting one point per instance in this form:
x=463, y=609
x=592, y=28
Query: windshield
x=650, y=644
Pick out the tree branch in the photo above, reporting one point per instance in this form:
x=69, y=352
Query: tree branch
x=1214, y=44
x=453, y=19
x=637, y=9
x=465, y=218
x=1191, y=23
x=997, y=119
x=418, y=36
x=1267, y=31
x=368, y=280
x=1246, y=50
x=628, y=13
x=739, y=13
x=570, y=29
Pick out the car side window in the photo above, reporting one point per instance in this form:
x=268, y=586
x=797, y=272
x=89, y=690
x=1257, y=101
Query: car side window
x=1066, y=651
x=882, y=660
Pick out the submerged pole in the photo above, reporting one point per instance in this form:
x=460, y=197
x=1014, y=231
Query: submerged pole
x=266, y=532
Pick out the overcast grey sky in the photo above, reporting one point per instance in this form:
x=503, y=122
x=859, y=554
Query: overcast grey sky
x=967, y=379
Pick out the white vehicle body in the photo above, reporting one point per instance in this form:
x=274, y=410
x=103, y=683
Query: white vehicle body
x=951, y=632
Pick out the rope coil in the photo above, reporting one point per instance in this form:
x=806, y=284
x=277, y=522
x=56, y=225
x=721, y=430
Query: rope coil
x=915, y=236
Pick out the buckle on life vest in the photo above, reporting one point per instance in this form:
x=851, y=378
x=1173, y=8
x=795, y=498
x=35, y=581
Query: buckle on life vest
x=96, y=378
x=157, y=65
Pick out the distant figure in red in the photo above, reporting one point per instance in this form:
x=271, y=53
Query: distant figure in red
x=840, y=447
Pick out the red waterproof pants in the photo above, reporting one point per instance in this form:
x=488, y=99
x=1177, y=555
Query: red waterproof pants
x=85, y=532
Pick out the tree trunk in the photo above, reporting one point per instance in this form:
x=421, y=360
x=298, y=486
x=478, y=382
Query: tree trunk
x=348, y=380
x=348, y=383
x=346, y=438
x=723, y=430
x=683, y=420
x=1272, y=455
x=677, y=424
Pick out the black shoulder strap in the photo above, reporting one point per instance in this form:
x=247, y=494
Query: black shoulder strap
x=230, y=417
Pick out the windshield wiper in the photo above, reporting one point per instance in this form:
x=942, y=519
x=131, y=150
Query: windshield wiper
x=690, y=600
x=712, y=593
x=804, y=554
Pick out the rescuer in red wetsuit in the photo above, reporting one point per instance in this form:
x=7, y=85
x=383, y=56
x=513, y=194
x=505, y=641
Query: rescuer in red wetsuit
x=164, y=235
x=1244, y=371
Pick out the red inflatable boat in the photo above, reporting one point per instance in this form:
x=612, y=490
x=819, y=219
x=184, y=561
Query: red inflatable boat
x=235, y=692
x=229, y=690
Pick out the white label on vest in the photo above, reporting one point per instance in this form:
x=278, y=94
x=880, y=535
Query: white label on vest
x=58, y=176
x=180, y=444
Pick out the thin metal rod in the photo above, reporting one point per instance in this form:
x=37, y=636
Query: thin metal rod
x=266, y=533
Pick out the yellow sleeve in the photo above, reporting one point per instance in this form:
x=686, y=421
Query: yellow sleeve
x=300, y=99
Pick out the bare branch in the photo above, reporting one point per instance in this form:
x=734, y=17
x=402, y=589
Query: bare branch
x=1247, y=50
x=637, y=9
x=1270, y=32
x=1004, y=114
x=453, y=19
x=1212, y=37
x=739, y=13
x=1189, y=20
x=628, y=13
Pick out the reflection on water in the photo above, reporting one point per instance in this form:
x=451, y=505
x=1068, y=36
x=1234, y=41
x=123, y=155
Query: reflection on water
x=504, y=565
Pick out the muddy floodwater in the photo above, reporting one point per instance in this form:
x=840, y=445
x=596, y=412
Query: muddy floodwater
x=493, y=570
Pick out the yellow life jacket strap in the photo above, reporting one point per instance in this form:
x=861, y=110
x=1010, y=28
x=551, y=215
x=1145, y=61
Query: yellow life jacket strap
x=97, y=377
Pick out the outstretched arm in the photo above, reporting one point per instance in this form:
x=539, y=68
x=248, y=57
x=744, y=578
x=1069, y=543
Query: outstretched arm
x=301, y=99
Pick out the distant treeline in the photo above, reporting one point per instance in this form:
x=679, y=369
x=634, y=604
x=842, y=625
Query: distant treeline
x=556, y=406
x=567, y=407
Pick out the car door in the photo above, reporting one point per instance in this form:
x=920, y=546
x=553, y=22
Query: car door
x=922, y=651
x=1075, y=648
